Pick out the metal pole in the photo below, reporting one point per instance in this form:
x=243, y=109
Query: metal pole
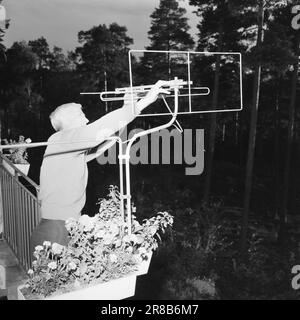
x=126, y=157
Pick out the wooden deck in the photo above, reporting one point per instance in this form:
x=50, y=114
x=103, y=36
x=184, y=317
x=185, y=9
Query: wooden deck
x=14, y=273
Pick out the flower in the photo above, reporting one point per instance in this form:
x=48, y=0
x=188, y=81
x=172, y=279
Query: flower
x=52, y=265
x=18, y=155
x=113, y=258
x=108, y=239
x=72, y=265
x=100, y=234
x=47, y=243
x=114, y=228
x=133, y=238
x=87, y=222
x=142, y=251
x=129, y=249
x=57, y=248
x=38, y=248
x=30, y=272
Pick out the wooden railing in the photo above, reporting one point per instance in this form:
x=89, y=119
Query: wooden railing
x=20, y=209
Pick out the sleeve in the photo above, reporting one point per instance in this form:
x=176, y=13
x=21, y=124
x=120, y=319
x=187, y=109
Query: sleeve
x=93, y=134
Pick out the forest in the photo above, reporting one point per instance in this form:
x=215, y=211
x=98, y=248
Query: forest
x=236, y=225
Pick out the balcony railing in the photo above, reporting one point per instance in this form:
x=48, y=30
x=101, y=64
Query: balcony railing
x=21, y=210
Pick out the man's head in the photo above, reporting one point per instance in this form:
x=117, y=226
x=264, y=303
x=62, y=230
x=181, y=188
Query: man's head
x=68, y=116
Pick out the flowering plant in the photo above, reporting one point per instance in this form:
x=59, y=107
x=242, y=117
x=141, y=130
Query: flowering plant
x=18, y=155
x=100, y=249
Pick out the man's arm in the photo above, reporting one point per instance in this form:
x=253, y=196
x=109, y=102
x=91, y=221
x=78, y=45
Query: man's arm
x=98, y=131
x=101, y=149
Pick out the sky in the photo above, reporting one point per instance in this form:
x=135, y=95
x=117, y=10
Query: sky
x=59, y=21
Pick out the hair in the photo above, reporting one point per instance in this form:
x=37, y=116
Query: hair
x=59, y=115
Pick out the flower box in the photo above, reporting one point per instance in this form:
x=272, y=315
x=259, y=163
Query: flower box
x=99, y=247
x=144, y=266
x=112, y=290
x=24, y=168
x=2, y=277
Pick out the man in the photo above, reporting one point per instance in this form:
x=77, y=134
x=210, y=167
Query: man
x=64, y=173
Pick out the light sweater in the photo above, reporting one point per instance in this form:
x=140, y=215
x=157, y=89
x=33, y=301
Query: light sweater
x=64, y=172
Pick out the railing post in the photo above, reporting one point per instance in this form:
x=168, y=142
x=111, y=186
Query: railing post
x=21, y=212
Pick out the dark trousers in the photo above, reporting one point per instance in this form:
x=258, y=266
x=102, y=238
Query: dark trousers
x=49, y=230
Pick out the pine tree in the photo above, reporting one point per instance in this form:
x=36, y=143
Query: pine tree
x=2, y=80
x=18, y=87
x=41, y=48
x=250, y=28
x=264, y=9
x=283, y=19
x=168, y=32
x=102, y=58
x=2, y=47
x=3, y=26
x=169, y=28
x=218, y=31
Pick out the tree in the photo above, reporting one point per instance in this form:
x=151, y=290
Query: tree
x=169, y=28
x=2, y=63
x=59, y=62
x=252, y=133
x=19, y=96
x=2, y=47
x=5, y=25
x=168, y=32
x=51, y=81
x=290, y=138
x=264, y=8
x=218, y=31
x=242, y=27
x=102, y=58
x=41, y=48
x=280, y=59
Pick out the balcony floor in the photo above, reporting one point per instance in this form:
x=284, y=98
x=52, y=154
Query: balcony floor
x=14, y=273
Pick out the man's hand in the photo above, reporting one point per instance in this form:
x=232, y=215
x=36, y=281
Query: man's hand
x=153, y=94
x=156, y=90
x=129, y=98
